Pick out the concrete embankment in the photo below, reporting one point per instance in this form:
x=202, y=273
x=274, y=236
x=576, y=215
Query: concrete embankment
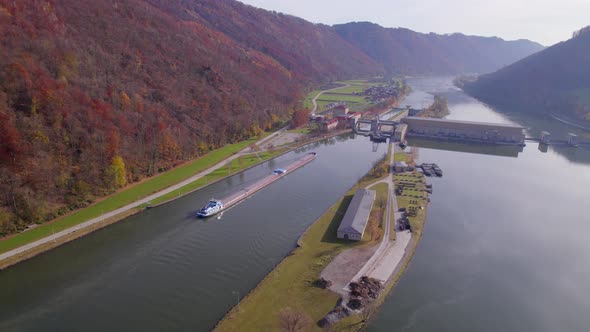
x=56, y=239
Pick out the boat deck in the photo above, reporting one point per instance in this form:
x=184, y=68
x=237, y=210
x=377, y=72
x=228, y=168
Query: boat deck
x=244, y=193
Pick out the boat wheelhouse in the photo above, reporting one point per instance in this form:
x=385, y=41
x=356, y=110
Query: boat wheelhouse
x=279, y=171
x=213, y=207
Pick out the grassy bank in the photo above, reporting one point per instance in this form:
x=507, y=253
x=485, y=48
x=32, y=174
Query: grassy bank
x=126, y=196
x=291, y=283
x=375, y=227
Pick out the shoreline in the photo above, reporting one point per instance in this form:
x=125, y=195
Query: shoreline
x=45, y=244
x=570, y=123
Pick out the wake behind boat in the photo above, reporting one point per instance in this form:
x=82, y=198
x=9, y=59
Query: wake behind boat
x=215, y=206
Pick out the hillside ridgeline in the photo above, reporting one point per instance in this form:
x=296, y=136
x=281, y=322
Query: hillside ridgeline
x=403, y=51
x=554, y=81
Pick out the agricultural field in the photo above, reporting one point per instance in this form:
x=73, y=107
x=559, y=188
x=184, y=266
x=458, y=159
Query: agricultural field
x=343, y=94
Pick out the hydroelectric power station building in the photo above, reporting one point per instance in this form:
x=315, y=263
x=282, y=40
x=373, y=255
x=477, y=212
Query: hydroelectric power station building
x=465, y=130
x=352, y=226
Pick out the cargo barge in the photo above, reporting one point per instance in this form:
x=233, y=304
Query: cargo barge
x=215, y=206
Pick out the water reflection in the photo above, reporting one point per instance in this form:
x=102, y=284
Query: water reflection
x=464, y=107
x=467, y=147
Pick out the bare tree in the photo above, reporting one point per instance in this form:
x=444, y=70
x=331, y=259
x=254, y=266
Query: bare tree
x=292, y=320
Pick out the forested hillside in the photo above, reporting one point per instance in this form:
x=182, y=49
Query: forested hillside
x=556, y=81
x=98, y=94
x=408, y=52
x=92, y=89
x=309, y=51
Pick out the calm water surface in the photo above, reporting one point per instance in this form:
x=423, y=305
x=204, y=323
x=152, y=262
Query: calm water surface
x=505, y=246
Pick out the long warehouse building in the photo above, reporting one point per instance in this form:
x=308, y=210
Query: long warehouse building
x=352, y=226
x=465, y=130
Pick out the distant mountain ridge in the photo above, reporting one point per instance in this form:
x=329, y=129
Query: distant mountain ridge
x=555, y=80
x=403, y=51
x=312, y=52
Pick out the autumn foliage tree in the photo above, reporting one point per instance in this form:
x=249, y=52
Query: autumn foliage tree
x=95, y=94
x=116, y=174
x=300, y=118
x=89, y=100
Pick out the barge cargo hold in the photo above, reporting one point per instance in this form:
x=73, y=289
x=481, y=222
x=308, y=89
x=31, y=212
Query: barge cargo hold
x=231, y=200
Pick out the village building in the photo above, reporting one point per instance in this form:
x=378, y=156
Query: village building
x=328, y=125
x=346, y=121
x=340, y=110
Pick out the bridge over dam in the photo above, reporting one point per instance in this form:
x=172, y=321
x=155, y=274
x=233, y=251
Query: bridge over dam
x=378, y=130
x=441, y=129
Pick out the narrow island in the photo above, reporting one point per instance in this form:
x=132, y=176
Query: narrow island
x=331, y=281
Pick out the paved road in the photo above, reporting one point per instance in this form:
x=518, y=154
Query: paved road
x=389, y=253
x=133, y=205
x=314, y=102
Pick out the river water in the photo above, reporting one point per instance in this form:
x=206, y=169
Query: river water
x=504, y=247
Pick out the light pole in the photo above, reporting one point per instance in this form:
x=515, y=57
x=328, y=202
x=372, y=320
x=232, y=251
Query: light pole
x=238, y=303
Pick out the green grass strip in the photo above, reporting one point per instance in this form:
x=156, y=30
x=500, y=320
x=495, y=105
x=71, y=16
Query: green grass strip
x=235, y=166
x=130, y=195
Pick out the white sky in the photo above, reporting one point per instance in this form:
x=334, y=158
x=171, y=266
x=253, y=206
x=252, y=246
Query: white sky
x=544, y=21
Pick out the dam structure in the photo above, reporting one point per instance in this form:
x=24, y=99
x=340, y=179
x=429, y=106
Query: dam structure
x=397, y=128
x=481, y=132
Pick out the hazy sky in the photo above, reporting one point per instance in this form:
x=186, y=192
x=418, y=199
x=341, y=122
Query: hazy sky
x=543, y=21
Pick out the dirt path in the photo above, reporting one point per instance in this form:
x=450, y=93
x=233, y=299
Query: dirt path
x=314, y=100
